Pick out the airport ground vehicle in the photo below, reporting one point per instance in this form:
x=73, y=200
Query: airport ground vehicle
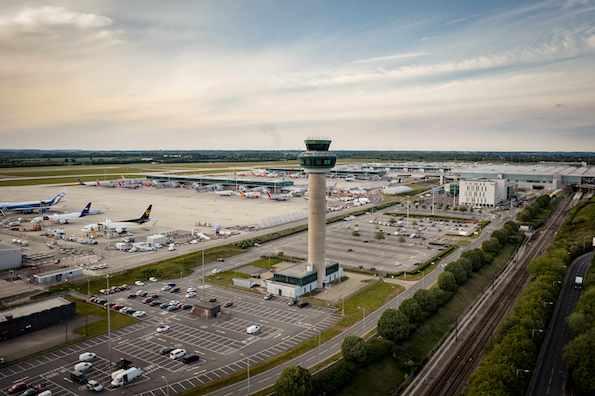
x=123, y=377
x=303, y=304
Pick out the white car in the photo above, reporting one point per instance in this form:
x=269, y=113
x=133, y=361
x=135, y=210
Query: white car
x=139, y=283
x=82, y=367
x=191, y=289
x=139, y=314
x=193, y=242
x=163, y=329
x=166, y=288
x=153, y=279
x=87, y=356
x=177, y=354
x=94, y=386
x=254, y=329
x=190, y=294
x=124, y=310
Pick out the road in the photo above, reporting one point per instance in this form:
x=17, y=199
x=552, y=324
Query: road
x=551, y=373
x=323, y=352
x=450, y=366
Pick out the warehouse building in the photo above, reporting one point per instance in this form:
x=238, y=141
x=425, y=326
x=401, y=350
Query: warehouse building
x=58, y=276
x=10, y=257
x=483, y=192
x=273, y=185
x=301, y=279
x=31, y=317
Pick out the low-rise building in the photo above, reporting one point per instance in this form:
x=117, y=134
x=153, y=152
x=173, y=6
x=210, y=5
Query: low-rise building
x=483, y=192
x=36, y=316
x=301, y=279
x=10, y=257
x=58, y=276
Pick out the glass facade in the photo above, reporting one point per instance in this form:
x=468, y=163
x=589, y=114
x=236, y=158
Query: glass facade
x=318, y=162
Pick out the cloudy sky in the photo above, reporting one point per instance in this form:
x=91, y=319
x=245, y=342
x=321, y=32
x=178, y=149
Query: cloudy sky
x=497, y=75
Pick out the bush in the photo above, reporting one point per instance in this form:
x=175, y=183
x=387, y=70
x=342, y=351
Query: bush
x=424, y=299
x=581, y=361
x=294, y=381
x=476, y=257
x=447, y=281
x=354, y=350
x=412, y=310
x=491, y=246
x=457, y=270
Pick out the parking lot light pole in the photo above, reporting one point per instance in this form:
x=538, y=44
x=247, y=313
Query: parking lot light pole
x=166, y=383
x=248, y=360
x=109, y=323
x=203, y=274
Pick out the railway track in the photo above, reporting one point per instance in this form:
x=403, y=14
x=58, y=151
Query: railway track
x=466, y=350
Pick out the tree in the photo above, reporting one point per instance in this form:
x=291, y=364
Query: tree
x=501, y=236
x=412, y=310
x=476, y=257
x=439, y=296
x=457, y=270
x=491, y=246
x=447, y=281
x=425, y=301
x=294, y=381
x=581, y=361
x=466, y=264
x=354, y=349
x=394, y=325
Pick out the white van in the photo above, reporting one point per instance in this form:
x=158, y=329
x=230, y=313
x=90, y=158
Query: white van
x=82, y=367
x=45, y=393
x=177, y=354
x=123, y=377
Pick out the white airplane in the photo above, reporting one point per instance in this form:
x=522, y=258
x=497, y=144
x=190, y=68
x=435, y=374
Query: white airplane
x=250, y=194
x=123, y=225
x=68, y=217
x=30, y=206
x=224, y=193
x=279, y=197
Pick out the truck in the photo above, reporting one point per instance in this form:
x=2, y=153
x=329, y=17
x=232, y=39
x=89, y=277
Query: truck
x=123, y=377
x=578, y=282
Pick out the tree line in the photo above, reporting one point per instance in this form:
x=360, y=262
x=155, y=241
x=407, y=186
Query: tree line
x=396, y=325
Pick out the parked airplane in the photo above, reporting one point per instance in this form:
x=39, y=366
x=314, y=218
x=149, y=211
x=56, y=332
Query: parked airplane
x=224, y=193
x=122, y=225
x=250, y=194
x=68, y=217
x=279, y=197
x=97, y=183
x=30, y=206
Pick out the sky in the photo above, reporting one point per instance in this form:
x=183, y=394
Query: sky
x=264, y=74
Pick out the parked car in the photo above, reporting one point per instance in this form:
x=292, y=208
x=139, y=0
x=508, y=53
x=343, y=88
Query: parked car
x=188, y=359
x=175, y=290
x=132, y=296
x=172, y=308
x=228, y=304
x=87, y=356
x=164, y=306
x=191, y=289
x=268, y=296
x=163, y=329
x=139, y=283
x=78, y=378
x=139, y=314
x=254, y=329
x=213, y=299
x=154, y=295
x=166, y=288
x=17, y=387
x=220, y=259
x=82, y=366
x=94, y=386
x=291, y=302
x=123, y=364
x=147, y=300
x=303, y=304
x=186, y=307
x=153, y=279
x=166, y=350
x=142, y=293
x=29, y=392
x=154, y=303
x=177, y=353
x=190, y=294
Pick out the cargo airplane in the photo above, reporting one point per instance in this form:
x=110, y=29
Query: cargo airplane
x=122, y=225
x=30, y=206
x=66, y=218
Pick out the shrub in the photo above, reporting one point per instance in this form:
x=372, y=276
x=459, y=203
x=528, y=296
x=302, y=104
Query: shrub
x=294, y=381
x=447, y=281
x=354, y=349
x=393, y=325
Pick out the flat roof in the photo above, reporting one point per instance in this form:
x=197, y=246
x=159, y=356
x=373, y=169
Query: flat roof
x=527, y=169
x=228, y=181
x=26, y=310
x=56, y=272
x=299, y=270
x=335, y=170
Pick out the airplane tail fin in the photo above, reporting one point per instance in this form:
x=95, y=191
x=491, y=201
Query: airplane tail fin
x=85, y=211
x=269, y=194
x=147, y=214
x=56, y=198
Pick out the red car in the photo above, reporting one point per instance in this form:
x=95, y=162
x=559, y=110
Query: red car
x=17, y=387
x=117, y=307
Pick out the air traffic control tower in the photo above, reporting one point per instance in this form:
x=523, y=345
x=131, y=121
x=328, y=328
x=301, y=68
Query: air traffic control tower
x=317, y=161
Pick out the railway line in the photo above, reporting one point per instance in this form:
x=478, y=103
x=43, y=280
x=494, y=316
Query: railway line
x=449, y=368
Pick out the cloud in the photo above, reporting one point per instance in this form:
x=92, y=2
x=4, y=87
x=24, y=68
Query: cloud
x=40, y=18
x=395, y=57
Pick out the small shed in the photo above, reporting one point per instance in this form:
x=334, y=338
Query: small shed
x=206, y=310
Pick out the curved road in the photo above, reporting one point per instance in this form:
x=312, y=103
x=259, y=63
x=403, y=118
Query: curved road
x=551, y=373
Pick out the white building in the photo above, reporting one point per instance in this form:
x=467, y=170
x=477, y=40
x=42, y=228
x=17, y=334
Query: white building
x=482, y=192
x=10, y=257
x=58, y=276
x=300, y=279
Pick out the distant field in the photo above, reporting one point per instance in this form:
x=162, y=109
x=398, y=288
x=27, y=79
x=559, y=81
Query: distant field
x=60, y=180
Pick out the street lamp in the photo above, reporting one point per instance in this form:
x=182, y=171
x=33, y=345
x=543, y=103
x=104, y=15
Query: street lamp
x=166, y=384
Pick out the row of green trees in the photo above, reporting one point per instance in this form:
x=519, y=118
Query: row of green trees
x=506, y=368
x=396, y=325
x=579, y=353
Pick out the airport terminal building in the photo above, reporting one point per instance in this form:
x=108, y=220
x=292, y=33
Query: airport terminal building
x=301, y=279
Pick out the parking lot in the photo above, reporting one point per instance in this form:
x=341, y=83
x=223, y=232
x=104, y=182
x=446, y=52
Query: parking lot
x=222, y=344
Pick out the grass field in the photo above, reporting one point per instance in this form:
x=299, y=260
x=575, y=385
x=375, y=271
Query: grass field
x=99, y=327
x=371, y=297
x=415, y=351
x=61, y=180
x=224, y=279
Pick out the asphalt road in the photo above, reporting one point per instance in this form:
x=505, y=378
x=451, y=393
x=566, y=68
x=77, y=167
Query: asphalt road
x=323, y=352
x=551, y=373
